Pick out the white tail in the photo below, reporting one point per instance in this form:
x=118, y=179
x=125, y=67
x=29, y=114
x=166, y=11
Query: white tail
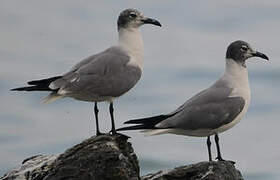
x=152, y=132
x=51, y=98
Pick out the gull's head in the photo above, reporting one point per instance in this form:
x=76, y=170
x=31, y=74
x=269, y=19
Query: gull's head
x=240, y=51
x=132, y=18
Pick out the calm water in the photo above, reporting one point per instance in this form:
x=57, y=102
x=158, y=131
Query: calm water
x=36, y=44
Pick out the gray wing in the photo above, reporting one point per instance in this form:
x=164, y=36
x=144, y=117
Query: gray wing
x=209, y=109
x=104, y=74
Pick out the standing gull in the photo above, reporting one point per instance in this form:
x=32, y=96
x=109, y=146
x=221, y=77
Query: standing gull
x=213, y=110
x=103, y=76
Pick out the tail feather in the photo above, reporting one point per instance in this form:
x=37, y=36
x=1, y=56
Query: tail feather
x=51, y=98
x=153, y=132
x=145, y=123
x=38, y=85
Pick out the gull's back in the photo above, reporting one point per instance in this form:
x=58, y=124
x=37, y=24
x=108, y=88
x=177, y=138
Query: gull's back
x=205, y=113
x=99, y=77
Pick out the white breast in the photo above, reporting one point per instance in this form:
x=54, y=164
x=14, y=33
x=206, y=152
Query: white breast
x=237, y=76
x=130, y=40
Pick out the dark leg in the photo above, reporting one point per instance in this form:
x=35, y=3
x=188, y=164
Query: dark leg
x=209, y=148
x=96, y=119
x=218, y=148
x=112, y=118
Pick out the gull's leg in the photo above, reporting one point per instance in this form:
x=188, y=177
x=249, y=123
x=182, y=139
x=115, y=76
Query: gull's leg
x=111, y=108
x=96, y=119
x=209, y=148
x=219, y=157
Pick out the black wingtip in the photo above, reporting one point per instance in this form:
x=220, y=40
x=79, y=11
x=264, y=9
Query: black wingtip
x=46, y=81
x=38, y=85
x=144, y=123
x=18, y=89
x=149, y=120
x=136, y=127
x=129, y=122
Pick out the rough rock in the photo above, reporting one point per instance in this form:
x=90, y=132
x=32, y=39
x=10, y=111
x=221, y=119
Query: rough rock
x=108, y=157
x=31, y=167
x=104, y=157
x=221, y=170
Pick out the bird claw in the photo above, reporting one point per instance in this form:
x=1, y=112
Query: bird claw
x=118, y=134
x=221, y=159
x=113, y=132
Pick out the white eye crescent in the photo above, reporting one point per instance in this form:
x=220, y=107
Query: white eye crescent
x=132, y=15
x=244, y=48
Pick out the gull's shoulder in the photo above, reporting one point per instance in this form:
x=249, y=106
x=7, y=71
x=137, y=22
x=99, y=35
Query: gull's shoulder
x=218, y=91
x=114, y=53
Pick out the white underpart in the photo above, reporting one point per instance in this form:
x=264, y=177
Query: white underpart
x=237, y=77
x=152, y=132
x=130, y=40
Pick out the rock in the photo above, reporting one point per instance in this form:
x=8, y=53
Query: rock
x=31, y=167
x=108, y=157
x=220, y=170
x=97, y=158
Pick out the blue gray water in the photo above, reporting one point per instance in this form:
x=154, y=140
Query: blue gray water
x=41, y=39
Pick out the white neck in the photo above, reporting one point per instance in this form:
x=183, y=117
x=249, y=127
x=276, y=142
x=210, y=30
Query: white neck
x=235, y=70
x=236, y=75
x=130, y=40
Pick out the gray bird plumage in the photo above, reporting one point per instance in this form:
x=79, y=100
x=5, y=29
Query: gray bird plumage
x=213, y=110
x=210, y=109
x=103, y=76
x=108, y=73
x=214, y=107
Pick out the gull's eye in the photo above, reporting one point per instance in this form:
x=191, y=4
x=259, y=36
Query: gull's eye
x=244, y=48
x=132, y=15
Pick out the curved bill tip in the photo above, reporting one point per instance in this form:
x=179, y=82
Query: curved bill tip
x=151, y=21
x=261, y=55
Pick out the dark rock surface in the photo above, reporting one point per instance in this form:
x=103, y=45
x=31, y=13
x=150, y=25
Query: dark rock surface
x=97, y=158
x=109, y=157
x=221, y=170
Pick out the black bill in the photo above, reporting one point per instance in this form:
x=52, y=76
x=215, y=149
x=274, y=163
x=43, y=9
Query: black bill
x=261, y=55
x=151, y=21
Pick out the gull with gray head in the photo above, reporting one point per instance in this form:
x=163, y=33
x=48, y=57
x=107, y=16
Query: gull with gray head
x=213, y=110
x=103, y=76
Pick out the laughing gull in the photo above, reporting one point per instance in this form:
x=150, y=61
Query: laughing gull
x=103, y=76
x=213, y=110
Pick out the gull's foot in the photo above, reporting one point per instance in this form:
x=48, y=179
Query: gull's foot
x=113, y=132
x=119, y=134
x=219, y=158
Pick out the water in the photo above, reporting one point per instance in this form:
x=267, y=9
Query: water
x=36, y=44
